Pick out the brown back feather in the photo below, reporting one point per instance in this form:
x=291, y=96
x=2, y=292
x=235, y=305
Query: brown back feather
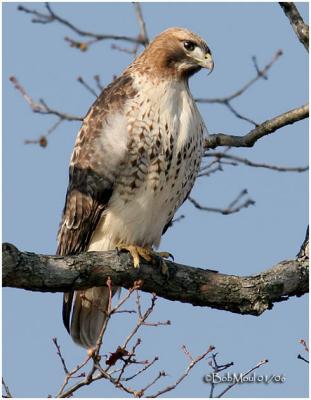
x=91, y=180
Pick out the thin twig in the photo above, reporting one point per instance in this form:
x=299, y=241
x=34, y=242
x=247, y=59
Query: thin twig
x=51, y=17
x=239, y=115
x=207, y=170
x=184, y=375
x=7, y=390
x=261, y=73
x=258, y=365
x=142, y=24
x=230, y=209
x=118, y=385
x=128, y=360
x=141, y=320
x=86, y=86
x=42, y=141
x=187, y=352
x=58, y=351
x=159, y=323
x=42, y=107
x=99, y=85
x=160, y=375
x=104, y=327
x=226, y=101
x=300, y=357
x=70, y=375
x=93, y=354
x=304, y=344
x=177, y=219
x=147, y=366
x=136, y=286
x=143, y=37
x=216, y=369
x=126, y=50
x=138, y=305
x=125, y=312
x=306, y=348
x=219, y=156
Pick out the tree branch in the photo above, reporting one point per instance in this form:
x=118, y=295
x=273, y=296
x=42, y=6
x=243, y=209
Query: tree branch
x=258, y=365
x=266, y=128
x=8, y=394
x=201, y=287
x=300, y=28
x=41, y=107
x=260, y=73
x=142, y=25
x=50, y=16
x=226, y=101
x=235, y=206
x=192, y=363
x=239, y=160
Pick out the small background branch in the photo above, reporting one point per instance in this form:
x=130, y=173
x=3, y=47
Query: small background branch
x=123, y=365
x=8, y=394
x=241, y=201
x=50, y=16
x=306, y=349
x=221, y=159
x=227, y=100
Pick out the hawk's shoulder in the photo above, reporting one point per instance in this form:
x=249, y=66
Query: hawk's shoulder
x=93, y=166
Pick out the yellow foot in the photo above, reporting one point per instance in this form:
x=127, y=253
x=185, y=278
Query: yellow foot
x=137, y=252
x=147, y=254
x=163, y=264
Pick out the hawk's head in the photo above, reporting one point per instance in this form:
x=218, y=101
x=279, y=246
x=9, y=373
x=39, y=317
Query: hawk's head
x=177, y=52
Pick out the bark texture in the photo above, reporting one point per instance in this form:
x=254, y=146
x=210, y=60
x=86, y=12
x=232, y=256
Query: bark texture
x=264, y=129
x=300, y=28
x=200, y=287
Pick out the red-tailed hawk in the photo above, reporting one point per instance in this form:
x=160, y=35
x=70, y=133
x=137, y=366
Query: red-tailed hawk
x=134, y=163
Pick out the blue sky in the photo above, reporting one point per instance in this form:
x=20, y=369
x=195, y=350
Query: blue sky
x=35, y=182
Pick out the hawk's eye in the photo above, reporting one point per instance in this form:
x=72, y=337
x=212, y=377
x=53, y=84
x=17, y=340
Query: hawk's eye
x=188, y=45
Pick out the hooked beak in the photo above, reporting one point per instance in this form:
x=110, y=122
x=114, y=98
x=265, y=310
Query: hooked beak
x=207, y=63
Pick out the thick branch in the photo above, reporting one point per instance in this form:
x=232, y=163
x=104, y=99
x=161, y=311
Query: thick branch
x=243, y=295
x=264, y=129
x=300, y=28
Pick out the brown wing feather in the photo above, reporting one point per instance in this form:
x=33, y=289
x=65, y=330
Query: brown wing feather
x=87, y=195
x=91, y=178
